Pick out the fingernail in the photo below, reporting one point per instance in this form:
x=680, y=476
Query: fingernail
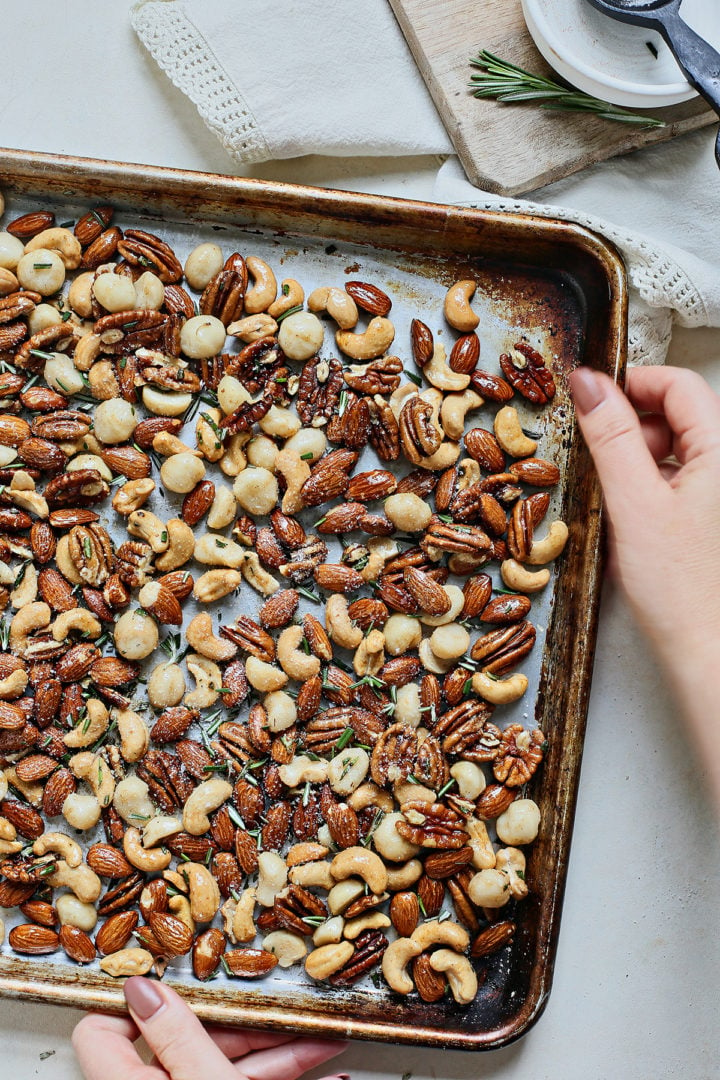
x=588, y=389
x=143, y=997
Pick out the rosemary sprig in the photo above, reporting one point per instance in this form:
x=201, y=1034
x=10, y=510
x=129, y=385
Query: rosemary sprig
x=508, y=83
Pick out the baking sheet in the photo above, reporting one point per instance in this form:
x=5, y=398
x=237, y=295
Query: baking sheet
x=556, y=286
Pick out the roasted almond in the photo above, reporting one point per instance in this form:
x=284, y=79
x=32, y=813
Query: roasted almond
x=491, y=387
x=506, y=609
x=477, y=591
x=494, y=938
x=430, y=984
x=174, y=935
x=32, y=939
x=207, y=952
x=367, y=612
x=14, y=431
x=42, y=454
x=108, y=861
x=336, y=577
x=172, y=724
x=111, y=671
x=422, y=342
x=535, y=471
x=39, y=911
x=77, y=944
x=35, y=767
x=26, y=820
x=405, y=913
x=147, y=429
x=69, y=517
x=279, y=609
x=197, y=502
x=126, y=460
x=249, y=963
x=443, y=864
x=465, y=354
x=494, y=800
x=179, y=582
x=485, y=449
x=55, y=590
x=90, y=225
x=373, y=484
x=101, y=250
x=42, y=541
x=428, y=594
x=31, y=224
x=369, y=297
x=57, y=788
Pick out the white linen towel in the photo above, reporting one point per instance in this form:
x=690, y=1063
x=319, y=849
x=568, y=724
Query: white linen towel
x=335, y=77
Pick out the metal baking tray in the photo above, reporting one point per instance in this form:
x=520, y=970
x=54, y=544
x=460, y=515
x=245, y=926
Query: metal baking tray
x=558, y=285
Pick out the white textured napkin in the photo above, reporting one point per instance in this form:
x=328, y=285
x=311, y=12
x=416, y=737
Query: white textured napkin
x=336, y=77
x=280, y=80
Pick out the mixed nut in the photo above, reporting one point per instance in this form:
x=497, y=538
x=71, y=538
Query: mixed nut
x=336, y=773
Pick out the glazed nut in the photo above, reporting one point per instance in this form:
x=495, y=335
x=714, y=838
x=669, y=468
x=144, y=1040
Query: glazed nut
x=339, y=305
x=517, y=577
x=73, y=912
x=133, y=732
x=373, y=343
x=114, y=421
x=470, y=779
x=552, y=545
x=401, y=634
x=206, y=797
x=519, y=824
x=182, y=472
x=165, y=402
x=203, y=891
x=511, y=861
x=499, y=691
x=457, y=306
x=58, y=240
x=359, y=862
x=114, y=292
x=263, y=676
x=301, y=335
x=510, y=435
x=181, y=546
x=303, y=770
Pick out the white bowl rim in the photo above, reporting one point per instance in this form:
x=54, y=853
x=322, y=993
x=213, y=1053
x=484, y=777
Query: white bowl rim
x=553, y=42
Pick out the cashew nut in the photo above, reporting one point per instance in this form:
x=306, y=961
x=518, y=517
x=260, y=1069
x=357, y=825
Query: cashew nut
x=203, y=890
x=133, y=732
x=181, y=544
x=126, y=962
x=287, y=947
x=329, y=932
x=206, y=797
x=375, y=342
x=395, y=960
x=13, y=685
x=483, y=851
x=323, y=962
x=510, y=434
x=380, y=548
x=291, y=295
x=132, y=802
x=265, y=677
x=295, y=471
x=512, y=862
x=149, y=860
x=149, y=527
x=254, y=327
x=90, y=729
x=213, y=585
x=200, y=637
x=81, y=880
x=370, y=654
x=303, y=770
x=294, y=662
x=60, y=240
x=312, y=875
x=65, y=846
x=159, y=828
x=460, y=974
x=264, y=289
x=444, y=457
x=255, y=575
x=370, y=794
x=75, y=619
x=208, y=680
x=212, y=549
x=547, y=549
x=34, y=616
x=455, y=408
x=358, y=861
x=94, y=769
x=441, y=933
x=404, y=876
x=457, y=306
x=26, y=592
x=371, y=920
x=517, y=577
x=73, y=912
x=242, y=926
x=441, y=375
x=339, y=305
x=272, y=877
x=347, y=770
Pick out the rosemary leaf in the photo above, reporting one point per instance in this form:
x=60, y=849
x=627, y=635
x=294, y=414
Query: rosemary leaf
x=510, y=84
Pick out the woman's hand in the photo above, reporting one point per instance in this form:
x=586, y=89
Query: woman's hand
x=183, y=1048
x=665, y=522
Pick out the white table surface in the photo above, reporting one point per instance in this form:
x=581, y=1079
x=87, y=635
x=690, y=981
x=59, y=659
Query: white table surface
x=636, y=977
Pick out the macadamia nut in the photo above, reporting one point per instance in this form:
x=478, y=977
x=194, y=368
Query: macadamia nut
x=300, y=335
x=202, y=336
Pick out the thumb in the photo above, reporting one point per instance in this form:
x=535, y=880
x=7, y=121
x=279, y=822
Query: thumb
x=174, y=1033
x=628, y=474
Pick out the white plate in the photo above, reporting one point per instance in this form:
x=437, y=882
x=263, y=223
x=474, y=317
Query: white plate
x=613, y=60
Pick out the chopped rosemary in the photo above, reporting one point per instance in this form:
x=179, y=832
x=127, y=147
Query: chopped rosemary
x=344, y=739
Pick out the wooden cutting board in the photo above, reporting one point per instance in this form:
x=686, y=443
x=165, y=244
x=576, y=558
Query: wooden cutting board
x=510, y=149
